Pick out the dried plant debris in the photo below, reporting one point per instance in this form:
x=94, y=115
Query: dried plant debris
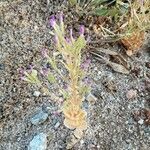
x=71, y=141
x=143, y=114
x=133, y=42
x=122, y=67
x=110, y=85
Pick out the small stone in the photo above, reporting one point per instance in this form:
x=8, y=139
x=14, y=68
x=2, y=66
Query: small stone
x=39, y=118
x=91, y=98
x=39, y=142
x=82, y=142
x=36, y=94
x=2, y=67
x=57, y=125
x=131, y=94
x=141, y=121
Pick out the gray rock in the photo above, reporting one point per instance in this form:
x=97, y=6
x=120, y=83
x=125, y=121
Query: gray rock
x=39, y=118
x=2, y=67
x=57, y=125
x=39, y=142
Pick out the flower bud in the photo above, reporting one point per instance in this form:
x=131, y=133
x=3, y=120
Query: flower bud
x=52, y=21
x=82, y=29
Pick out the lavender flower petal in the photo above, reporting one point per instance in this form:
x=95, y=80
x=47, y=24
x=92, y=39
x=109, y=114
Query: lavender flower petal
x=52, y=21
x=82, y=29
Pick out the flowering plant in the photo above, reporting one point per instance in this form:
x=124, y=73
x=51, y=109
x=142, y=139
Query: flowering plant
x=70, y=50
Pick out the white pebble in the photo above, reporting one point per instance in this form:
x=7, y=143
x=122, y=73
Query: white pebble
x=141, y=121
x=36, y=94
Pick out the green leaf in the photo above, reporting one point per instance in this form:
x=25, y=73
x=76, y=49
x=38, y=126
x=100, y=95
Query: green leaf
x=113, y=12
x=84, y=90
x=53, y=63
x=73, y=2
x=78, y=45
x=51, y=78
x=98, y=2
x=102, y=11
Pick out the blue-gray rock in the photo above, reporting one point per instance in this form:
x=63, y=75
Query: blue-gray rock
x=39, y=142
x=39, y=118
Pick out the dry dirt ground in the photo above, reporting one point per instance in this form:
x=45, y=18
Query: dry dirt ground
x=24, y=31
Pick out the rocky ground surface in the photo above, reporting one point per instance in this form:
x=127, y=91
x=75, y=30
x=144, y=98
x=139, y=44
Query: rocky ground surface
x=117, y=116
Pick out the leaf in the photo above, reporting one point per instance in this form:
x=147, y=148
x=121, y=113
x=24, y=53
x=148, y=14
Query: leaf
x=84, y=89
x=53, y=63
x=107, y=51
x=78, y=45
x=113, y=12
x=118, y=68
x=101, y=11
x=51, y=78
x=73, y=2
x=98, y=2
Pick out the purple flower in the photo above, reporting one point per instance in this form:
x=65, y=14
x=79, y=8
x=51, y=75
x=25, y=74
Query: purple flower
x=30, y=68
x=82, y=29
x=22, y=78
x=85, y=65
x=87, y=81
x=21, y=73
x=21, y=70
x=52, y=21
x=68, y=40
x=44, y=52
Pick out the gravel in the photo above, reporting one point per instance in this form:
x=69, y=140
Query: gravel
x=25, y=30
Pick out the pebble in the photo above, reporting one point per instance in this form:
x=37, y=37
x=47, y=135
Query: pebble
x=57, y=125
x=141, y=121
x=39, y=142
x=91, y=98
x=2, y=67
x=131, y=94
x=39, y=118
x=36, y=93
